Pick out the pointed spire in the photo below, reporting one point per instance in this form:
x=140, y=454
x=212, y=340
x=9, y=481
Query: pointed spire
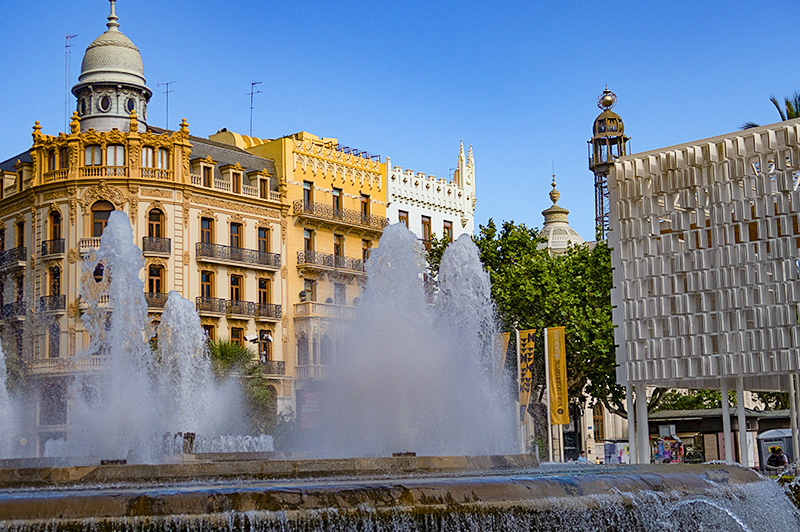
x=112, y=23
x=554, y=194
x=461, y=151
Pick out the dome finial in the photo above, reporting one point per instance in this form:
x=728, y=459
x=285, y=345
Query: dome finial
x=554, y=194
x=606, y=100
x=112, y=23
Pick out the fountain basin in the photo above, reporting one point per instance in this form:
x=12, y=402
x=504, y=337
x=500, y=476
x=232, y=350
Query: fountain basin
x=404, y=493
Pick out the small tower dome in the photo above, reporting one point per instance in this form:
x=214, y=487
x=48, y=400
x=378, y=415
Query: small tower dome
x=111, y=84
x=557, y=232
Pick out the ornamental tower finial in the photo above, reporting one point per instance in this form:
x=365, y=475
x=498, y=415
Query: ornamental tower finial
x=112, y=23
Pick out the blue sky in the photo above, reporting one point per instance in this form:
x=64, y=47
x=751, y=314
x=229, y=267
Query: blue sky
x=517, y=80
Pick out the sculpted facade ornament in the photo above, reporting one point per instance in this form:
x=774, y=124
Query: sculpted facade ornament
x=134, y=208
x=73, y=210
x=50, y=196
x=133, y=188
x=72, y=310
x=156, y=193
x=156, y=141
x=186, y=258
x=207, y=213
x=156, y=261
x=72, y=255
x=102, y=192
x=250, y=209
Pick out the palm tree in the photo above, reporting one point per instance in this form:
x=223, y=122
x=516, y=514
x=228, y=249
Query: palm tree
x=790, y=110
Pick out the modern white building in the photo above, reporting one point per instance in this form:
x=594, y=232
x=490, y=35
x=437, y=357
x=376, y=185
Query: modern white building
x=430, y=205
x=705, y=238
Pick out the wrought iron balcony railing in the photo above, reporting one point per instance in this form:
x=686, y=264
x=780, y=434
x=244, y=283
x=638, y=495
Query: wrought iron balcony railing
x=242, y=308
x=268, y=310
x=13, y=310
x=156, y=299
x=211, y=304
x=155, y=244
x=330, y=261
x=327, y=212
x=13, y=256
x=274, y=367
x=53, y=247
x=243, y=255
x=53, y=303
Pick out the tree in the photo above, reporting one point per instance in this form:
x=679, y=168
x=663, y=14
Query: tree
x=694, y=400
x=230, y=359
x=789, y=110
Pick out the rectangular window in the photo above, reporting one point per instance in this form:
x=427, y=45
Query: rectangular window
x=210, y=332
x=20, y=234
x=163, y=159
x=155, y=276
x=364, y=208
x=403, y=217
x=51, y=161
x=310, y=288
x=20, y=287
x=236, y=287
x=208, y=176
x=340, y=293
x=264, y=291
x=237, y=335
x=236, y=182
x=366, y=248
x=2, y=239
x=448, y=230
x=338, y=245
x=154, y=225
x=115, y=156
x=263, y=188
x=337, y=202
x=54, y=340
x=207, y=230
x=263, y=240
x=426, y=232
x=308, y=192
x=308, y=236
x=206, y=284
x=94, y=156
x=147, y=157
x=63, y=156
x=265, y=346
x=236, y=235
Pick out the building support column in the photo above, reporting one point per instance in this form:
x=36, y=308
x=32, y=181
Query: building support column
x=796, y=379
x=631, y=423
x=643, y=432
x=727, y=437
x=793, y=416
x=742, y=421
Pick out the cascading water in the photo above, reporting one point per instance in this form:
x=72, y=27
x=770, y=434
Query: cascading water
x=414, y=377
x=143, y=394
x=8, y=412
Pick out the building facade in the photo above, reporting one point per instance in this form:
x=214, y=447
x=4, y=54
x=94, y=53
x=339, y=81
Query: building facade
x=429, y=205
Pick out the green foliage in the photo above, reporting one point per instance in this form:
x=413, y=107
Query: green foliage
x=694, y=400
x=773, y=400
x=231, y=359
x=791, y=106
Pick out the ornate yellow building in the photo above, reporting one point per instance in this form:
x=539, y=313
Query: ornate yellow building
x=335, y=213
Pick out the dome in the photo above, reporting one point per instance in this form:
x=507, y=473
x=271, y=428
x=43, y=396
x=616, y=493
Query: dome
x=112, y=58
x=608, y=123
x=556, y=231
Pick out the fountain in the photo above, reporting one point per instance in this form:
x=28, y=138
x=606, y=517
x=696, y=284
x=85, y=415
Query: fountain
x=410, y=377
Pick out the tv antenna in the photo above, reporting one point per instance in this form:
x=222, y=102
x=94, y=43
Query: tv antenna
x=67, y=75
x=167, y=92
x=252, y=93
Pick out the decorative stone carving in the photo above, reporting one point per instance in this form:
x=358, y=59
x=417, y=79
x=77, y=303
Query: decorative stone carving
x=250, y=209
x=102, y=192
x=134, y=208
x=72, y=255
x=156, y=193
x=72, y=310
x=186, y=258
x=133, y=188
x=73, y=210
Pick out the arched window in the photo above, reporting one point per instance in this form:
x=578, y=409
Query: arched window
x=55, y=281
x=155, y=222
x=326, y=351
x=101, y=210
x=55, y=225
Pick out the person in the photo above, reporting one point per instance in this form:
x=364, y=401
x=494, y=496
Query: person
x=777, y=460
x=582, y=458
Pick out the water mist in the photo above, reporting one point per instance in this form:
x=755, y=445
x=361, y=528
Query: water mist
x=414, y=377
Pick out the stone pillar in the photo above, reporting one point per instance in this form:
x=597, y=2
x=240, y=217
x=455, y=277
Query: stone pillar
x=631, y=422
x=742, y=421
x=793, y=416
x=726, y=422
x=643, y=432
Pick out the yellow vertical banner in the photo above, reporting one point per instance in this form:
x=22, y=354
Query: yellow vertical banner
x=557, y=386
x=526, y=342
x=502, y=350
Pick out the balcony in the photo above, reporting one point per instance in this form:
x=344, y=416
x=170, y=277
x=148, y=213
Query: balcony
x=312, y=372
x=154, y=245
x=155, y=300
x=58, y=366
x=327, y=261
x=231, y=255
x=13, y=310
x=104, y=171
x=14, y=257
x=322, y=211
x=87, y=245
x=235, y=307
x=312, y=309
x=156, y=173
x=56, y=175
x=55, y=303
x=247, y=190
x=53, y=247
x=274, y=367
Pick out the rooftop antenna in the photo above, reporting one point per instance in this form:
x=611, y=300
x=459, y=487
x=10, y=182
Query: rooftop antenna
x=252, y=93
x=167, y=93
x=67, y=75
